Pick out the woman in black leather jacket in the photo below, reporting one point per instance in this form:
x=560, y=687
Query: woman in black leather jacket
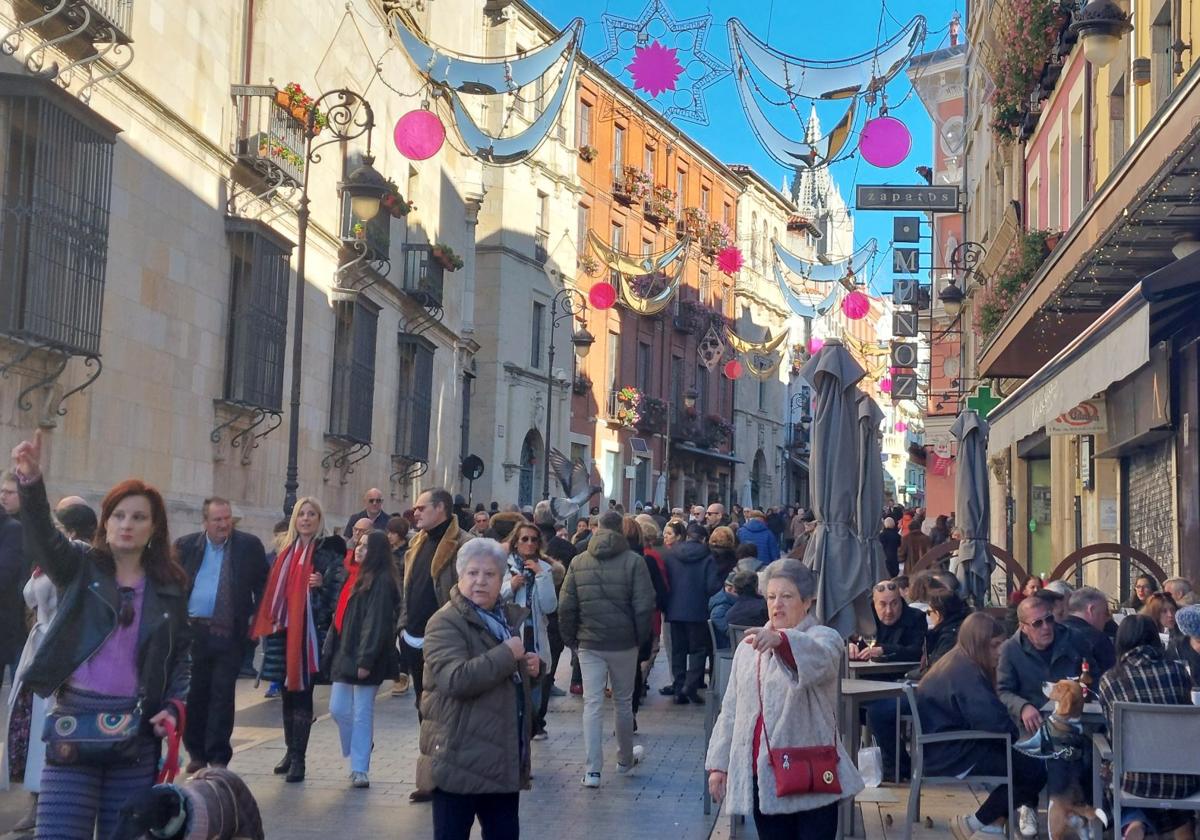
x=296, y=610
x=119, y=649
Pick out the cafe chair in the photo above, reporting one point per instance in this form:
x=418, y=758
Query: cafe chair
x=1146, y=739
x=917, y=751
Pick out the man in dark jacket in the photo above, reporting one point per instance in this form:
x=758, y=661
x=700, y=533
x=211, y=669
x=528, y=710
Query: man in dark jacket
x=756, y=531
x=900, y=629
x=373, y=499
x=227, y=570
x=889, y=538
x=13, y=574
x=1087, y=615
x=604, y=610
x=692, y=578
x=1040, y=652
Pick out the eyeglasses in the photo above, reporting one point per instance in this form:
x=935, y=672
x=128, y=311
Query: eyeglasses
x=886, y=586
x=125, y=614
x=529, y=539
x=1039, y=623
x=374, y=501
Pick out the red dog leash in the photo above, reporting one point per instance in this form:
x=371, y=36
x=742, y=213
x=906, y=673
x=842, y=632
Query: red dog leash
x=170, y=767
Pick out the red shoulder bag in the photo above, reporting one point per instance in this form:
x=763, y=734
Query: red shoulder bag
x=799, y=769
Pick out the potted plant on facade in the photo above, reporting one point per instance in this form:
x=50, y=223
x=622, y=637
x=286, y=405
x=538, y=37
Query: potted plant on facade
x=634, y=184
x=717, y=430
x=446, y=258
x=394, y=202
x=649, y=285
x=589, y=265
x=1014, y=274
x=660, y=208
x=627, y=401
x=581, y=385
x=359, y=230
x=299, y=104
x=1029, y=29
x=588, y=153
x=653, y=416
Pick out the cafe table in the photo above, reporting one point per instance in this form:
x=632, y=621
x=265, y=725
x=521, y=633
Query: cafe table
x=874, y=668
x=854, y=693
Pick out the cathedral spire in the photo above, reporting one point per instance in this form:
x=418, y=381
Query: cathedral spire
x=812, y=129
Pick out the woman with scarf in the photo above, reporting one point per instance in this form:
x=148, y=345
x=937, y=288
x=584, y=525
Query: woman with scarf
x=477, y=707
x=530, y=583
x=296, y=610
x=358, y=648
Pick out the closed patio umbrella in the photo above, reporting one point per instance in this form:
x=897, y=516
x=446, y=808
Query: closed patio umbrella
x=972, y=564
x=834, y=552
x=870, y=487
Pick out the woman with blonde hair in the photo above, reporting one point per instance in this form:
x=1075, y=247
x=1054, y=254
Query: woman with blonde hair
x=296, y=610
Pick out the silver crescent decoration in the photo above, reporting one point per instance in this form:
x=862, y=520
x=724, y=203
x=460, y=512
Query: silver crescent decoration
x=476, y=76
x=837, y=79
x=827, y=273
x=786, y=151
x=458, y=75
x=798, y=304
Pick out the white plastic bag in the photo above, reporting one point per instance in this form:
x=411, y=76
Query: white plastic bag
x=870, y=766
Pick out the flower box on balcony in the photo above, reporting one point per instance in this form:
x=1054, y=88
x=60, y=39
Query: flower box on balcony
x=444, y=256
x=630, y=184
x=268, y=139
x=581, y=386
x=626, y=407
x=653, y=418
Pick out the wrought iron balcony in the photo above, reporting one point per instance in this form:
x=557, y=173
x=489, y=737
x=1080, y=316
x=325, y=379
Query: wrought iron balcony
x=268, y=138
x=105, y=16
x=423, y=276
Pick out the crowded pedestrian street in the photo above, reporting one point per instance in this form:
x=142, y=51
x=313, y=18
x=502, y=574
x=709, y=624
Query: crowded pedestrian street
x=451, y=419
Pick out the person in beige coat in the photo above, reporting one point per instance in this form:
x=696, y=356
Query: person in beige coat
x=477, y=709
x=798, y=661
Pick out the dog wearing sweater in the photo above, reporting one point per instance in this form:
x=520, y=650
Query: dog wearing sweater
x=215, y=804
x=1061, y=736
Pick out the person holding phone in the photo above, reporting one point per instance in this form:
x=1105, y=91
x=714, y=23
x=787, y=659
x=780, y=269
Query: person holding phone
x=530, y=584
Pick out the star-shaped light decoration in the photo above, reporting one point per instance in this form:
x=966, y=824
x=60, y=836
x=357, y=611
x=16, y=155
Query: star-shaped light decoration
x=689, y=44
x=730, y=260
x=654, y=68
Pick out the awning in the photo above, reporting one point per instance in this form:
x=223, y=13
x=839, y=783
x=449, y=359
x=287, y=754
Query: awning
x=1111, y=349
x=707, y=453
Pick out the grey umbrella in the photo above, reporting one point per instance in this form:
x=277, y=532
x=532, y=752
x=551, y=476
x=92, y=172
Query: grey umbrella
x=973, y=564
x=834, y=552
x=870, y=487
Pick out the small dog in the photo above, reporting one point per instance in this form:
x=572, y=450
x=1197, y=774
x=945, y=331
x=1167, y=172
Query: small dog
x=1061, y=737
x=215, y=804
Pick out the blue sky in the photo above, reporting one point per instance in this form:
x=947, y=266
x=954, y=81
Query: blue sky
x=824, y=29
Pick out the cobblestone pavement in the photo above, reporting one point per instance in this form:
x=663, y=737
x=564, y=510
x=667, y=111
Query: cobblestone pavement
x=662, y=795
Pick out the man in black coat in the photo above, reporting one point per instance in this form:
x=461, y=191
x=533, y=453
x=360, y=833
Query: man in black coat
x=1087, y=615
x=691, y=579
x=373, y=499
x=13, y=575
x=227, y=570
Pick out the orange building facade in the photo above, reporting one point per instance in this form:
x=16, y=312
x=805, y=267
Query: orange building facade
x=646, y=187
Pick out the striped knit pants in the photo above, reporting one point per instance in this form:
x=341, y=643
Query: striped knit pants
x=74, y=798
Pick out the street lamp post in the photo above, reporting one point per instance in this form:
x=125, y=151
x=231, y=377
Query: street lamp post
x=566, y=304
x=366, y=188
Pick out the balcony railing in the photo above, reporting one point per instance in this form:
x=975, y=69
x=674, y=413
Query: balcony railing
x=268, y=137
x=117, y=14
x=423, y=276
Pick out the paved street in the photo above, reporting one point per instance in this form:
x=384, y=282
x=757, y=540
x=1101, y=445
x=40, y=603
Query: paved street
x=664, y=792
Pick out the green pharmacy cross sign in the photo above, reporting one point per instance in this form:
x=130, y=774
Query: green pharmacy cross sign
x=983, y=402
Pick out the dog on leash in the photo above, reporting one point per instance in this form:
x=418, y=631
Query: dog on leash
x=215, y=804
x=1061, y=737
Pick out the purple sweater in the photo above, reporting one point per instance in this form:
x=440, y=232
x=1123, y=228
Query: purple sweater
x=112, y=669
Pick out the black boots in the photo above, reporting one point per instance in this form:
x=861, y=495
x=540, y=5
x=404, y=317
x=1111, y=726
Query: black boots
x=301, y=726
x=285, y=764
x=296, y=770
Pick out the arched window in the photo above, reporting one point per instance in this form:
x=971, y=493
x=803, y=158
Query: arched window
x=531, y=453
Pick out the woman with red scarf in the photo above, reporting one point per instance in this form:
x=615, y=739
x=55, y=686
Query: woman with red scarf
x=295, y=613
x=359, y=650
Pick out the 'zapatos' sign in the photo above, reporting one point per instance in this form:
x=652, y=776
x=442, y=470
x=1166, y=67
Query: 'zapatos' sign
x=906, y=198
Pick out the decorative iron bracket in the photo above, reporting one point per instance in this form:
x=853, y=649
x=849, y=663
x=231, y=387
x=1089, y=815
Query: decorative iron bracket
x=81, y=29
x=343, y=457
x=247, y=424
x=351, y=274
x=266, y=200
x=409, y=469
x=48, y=365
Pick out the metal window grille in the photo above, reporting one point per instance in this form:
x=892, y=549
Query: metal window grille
x=269, y=138
x=353, y=394
x=258, y=299
x=56, y=176
x=423, y=277
x=414, y=397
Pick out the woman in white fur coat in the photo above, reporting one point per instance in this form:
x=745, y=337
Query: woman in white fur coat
x=799, y=662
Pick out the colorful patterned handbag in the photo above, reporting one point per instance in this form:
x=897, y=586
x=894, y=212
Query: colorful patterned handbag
x=97, y=739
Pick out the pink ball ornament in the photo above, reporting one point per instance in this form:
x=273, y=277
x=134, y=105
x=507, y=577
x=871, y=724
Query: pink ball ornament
x=884, y=142
x=733, y=369
x=419, y=134
x=885, y=385
x=730, y=260
x=856, y=305
x=815, y=345
x=602, y=295
x=901, y=426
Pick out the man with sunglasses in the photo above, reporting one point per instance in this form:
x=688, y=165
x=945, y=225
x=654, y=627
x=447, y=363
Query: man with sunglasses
x=373, y=499
x=1040, y=651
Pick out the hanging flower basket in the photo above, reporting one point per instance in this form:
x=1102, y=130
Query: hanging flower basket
x=653, y=418
x=588, y=153
x=589, y=265
x=446, y=258
x=627, y=403
x=299, y=104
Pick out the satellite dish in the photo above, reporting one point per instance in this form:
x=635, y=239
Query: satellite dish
x=472, y=468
